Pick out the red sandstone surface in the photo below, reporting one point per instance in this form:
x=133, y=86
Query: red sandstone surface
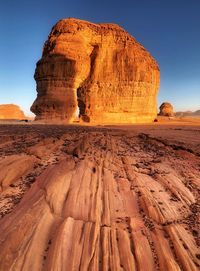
x=100, y=198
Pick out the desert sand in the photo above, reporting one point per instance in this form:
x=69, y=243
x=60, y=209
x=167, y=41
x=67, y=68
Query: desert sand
x=100, y=197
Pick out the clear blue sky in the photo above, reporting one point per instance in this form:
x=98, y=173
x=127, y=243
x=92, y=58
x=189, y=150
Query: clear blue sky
x=169, y=29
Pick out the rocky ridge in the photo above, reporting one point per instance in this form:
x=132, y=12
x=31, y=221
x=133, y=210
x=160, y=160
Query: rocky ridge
x=188, y=113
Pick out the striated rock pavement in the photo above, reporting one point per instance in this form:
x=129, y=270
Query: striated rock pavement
x=97, y=198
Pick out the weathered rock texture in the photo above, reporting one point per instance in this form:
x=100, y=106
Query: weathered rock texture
x=13, y=167
x=166, y=109
x=101, y=69
x=11, y=111
x=101, y=199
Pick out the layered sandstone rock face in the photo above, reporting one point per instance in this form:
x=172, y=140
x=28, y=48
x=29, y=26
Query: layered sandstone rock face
x=166, y=109
x=11, y=111
x=99, y=68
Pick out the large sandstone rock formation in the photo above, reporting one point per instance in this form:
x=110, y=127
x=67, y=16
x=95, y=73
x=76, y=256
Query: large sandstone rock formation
x=101, y=69
x=166, y=109
x=11, y=111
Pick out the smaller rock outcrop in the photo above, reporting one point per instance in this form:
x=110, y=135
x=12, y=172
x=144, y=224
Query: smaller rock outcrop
x=166, y=109
x=11, y=111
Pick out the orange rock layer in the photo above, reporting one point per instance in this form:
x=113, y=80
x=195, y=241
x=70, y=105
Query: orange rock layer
x=11, y=111
x=99, y=68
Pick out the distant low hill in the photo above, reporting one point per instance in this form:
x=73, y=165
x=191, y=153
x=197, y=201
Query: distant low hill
x=11, y=111
x=188, y=114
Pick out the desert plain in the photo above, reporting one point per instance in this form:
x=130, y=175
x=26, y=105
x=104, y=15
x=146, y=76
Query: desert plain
x=105, y=197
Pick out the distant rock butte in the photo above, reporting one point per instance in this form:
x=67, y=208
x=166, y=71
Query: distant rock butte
x=166, y=109
x=99, y=68
x=11, y=111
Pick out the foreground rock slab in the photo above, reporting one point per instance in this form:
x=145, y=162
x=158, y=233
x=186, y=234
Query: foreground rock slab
x=101, y=198
x=97, y=69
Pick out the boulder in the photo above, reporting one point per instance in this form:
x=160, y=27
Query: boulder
x=11, y=111
x=98, y=69
x=166, y=109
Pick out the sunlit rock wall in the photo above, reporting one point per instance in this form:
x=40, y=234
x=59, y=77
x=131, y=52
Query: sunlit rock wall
x=101, y=69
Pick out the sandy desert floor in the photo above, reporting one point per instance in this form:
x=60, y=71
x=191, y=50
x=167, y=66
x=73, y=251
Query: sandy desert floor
x=100, y=198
